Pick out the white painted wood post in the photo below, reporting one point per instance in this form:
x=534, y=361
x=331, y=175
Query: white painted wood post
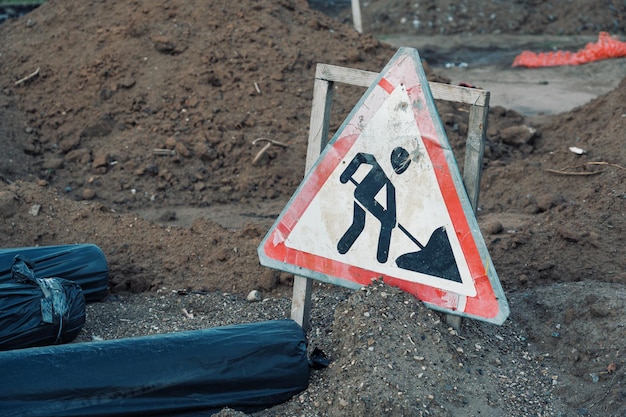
x=472, y=168
x=356, y=16
x=318, y=137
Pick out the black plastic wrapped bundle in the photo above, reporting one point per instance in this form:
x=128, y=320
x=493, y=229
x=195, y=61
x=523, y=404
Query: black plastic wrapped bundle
x=84, y=264
x=246, y=367
x=38, y=311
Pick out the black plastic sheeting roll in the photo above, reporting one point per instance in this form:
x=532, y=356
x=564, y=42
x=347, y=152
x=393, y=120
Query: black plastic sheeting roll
x=246, y=367
x=82, y=263
x=38, y=311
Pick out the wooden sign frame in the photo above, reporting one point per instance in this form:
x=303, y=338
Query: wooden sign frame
x=325, y=77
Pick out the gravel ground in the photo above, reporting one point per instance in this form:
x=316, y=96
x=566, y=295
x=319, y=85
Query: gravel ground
x=389, y=353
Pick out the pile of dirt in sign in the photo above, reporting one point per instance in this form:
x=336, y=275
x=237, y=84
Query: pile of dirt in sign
x=448, y=17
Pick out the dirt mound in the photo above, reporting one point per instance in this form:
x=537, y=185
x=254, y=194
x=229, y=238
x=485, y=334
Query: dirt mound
x=561, y=209
x=118, y=81
x=112, y=113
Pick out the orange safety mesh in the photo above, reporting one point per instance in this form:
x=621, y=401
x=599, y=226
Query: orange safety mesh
x=605, y=47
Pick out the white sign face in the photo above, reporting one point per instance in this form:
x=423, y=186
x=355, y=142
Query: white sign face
x=382, y=208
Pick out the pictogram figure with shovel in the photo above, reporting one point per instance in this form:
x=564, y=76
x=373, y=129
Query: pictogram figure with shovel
x=435, y=258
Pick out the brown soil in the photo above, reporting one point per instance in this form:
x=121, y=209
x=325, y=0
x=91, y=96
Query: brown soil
x=137, y=132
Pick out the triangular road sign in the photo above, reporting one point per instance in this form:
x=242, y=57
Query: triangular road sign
x=386, y=200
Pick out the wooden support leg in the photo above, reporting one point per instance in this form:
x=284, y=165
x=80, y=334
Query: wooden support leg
x=301, y=301
x=356, y=15
x=318, y=137
x=455, y=322
x=472, y=169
